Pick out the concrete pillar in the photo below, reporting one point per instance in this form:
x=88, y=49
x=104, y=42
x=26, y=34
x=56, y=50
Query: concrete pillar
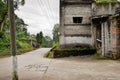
x=93, y=30
x=103, y=9
x=106, y=38
x=103, y=40
x=109, y=37
x=93, y=9
x=110, y=8
x=62, y=33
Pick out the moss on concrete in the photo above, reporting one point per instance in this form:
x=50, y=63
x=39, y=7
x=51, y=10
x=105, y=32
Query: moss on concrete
x=66, y=52
x=15, y=76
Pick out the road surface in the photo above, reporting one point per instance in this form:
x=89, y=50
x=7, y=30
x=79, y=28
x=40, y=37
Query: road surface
x=32, y=66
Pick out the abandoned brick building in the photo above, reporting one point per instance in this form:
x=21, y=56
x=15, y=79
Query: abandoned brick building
x=86, y=23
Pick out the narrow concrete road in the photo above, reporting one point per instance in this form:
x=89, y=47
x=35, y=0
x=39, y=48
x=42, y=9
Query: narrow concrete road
x=32, y=66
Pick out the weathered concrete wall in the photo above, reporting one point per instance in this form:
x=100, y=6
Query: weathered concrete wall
x=80, y=10
x=103, y=9
x=109, y=32
x=116, y=37
x=78, y=30
x=75, y=33
x=62, y=36
x=78, y=40
x=106, y=38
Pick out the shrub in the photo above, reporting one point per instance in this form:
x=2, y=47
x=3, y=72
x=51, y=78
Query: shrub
x=22, y=45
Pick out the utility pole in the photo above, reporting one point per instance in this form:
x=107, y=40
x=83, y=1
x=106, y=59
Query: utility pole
x=13, y=39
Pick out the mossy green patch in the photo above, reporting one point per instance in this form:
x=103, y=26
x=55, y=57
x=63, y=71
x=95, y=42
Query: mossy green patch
x=15, y=76
x=106, y=1
x=73, y=52
x=57, y=53
x=50, y=54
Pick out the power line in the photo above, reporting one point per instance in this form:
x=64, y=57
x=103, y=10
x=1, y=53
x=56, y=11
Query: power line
x=45, y=12
x=49, y=8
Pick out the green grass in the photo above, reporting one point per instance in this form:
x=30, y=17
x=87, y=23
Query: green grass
x=6, y=52
x=96, y=56
x=15, y=76
x=21, y=51
x=22, y=47
x=50, y=54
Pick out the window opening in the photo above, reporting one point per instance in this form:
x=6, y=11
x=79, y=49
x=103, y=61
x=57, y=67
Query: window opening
x=77, y=19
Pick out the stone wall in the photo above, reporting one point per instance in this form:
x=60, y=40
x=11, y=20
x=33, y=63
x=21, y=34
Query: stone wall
x=116, y=36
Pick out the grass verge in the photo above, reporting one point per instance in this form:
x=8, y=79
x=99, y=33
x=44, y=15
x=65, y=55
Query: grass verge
x=6, y=52
x=50, y=54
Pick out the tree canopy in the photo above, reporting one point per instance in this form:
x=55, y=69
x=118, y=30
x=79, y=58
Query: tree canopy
x=55, y=32
x=4, y=10
x=39, y=37
x=22, y=37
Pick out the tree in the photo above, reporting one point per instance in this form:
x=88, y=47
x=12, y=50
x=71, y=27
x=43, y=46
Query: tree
x=47, y=41
x=55, y=32
x=4, y=10
x=3, y=13
x=39, y=37
x=20, y=25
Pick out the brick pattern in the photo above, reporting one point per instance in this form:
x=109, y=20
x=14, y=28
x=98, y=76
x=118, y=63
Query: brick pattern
x=116, y=36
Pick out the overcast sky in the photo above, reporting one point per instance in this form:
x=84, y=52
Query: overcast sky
x=40, y=15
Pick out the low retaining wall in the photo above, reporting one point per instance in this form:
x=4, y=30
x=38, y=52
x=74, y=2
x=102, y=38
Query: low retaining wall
x=73, y=52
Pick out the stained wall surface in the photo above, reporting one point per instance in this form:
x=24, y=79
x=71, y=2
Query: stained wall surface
x=71, y=32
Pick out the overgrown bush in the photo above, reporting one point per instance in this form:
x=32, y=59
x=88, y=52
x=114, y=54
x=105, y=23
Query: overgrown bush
x=4, y=40
x=22, y=45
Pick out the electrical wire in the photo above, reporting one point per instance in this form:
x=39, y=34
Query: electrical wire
x=44, y=10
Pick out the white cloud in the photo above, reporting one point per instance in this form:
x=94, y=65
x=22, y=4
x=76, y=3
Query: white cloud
x=40, y=16
x=118, y=0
